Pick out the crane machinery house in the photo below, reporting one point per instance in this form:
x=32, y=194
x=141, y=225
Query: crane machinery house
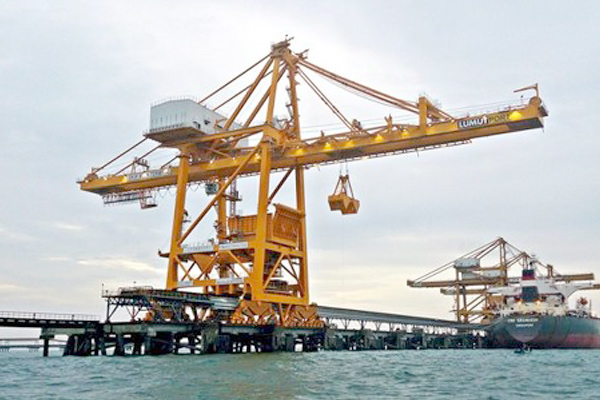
x=186, y=113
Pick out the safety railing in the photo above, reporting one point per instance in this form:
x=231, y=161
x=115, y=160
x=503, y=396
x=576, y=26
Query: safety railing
x=43, y=316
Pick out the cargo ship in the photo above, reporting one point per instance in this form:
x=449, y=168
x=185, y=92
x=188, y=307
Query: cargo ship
x=535, y=313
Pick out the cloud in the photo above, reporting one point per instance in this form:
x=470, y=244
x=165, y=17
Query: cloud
x=68, y=227
x=119, y=263
x=56, y=259
x=16, y=236
x=8, y=287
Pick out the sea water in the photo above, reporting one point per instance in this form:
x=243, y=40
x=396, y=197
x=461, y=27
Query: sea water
x=407, y=374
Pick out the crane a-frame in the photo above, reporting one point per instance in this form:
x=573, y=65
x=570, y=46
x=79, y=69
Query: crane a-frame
x=261, y=258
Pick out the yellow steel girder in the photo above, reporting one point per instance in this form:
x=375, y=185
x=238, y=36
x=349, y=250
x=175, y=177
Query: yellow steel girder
x=328, y=149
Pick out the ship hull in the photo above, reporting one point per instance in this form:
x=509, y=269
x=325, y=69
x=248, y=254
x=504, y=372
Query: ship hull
x=546, y=331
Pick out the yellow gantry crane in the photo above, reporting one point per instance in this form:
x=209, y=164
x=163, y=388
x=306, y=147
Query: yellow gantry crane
x=261, y=258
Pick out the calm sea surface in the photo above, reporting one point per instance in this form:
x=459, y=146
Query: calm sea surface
x=435, y=374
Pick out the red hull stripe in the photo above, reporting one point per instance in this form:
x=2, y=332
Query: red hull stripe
x=582, y=340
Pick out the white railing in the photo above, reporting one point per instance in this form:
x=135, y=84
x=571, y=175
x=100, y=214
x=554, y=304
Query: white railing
x=173, y=98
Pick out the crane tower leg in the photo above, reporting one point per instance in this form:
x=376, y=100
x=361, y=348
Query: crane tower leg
x=301, y=205
x=261, y=223
x=179, y=214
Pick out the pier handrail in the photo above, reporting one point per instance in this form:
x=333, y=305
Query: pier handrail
x=49, y=316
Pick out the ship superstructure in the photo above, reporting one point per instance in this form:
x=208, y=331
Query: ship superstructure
x=540, y=295
x=535, y=313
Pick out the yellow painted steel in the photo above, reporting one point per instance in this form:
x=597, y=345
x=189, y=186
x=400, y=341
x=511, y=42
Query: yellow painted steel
x=342, y=198
x=262, y=258
x=178, y=216
x=325, y=150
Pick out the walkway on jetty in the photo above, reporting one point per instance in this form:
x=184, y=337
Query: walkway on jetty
x=43, y=319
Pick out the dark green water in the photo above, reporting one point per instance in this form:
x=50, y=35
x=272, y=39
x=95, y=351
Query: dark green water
x=432, y=374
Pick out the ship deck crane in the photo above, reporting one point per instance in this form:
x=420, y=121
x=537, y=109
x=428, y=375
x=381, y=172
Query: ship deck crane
x=262, y=258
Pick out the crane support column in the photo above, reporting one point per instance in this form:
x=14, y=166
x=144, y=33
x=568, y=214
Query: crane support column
x=222, y=214
x=179, y=215
x=261, y=223
x=422, y=113
x=302, y=247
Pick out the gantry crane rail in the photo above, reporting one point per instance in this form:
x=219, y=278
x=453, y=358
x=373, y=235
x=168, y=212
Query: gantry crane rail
x=261, y=258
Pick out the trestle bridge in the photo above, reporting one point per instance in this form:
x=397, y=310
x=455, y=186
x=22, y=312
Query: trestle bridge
x=344, y=329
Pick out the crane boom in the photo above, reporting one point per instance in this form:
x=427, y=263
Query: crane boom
x=326, y=149
x=493, y=281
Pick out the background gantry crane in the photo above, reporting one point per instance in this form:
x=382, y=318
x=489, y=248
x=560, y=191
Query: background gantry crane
x=469, y=277
x=261, y=258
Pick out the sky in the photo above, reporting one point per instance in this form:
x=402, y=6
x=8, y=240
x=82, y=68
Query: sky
x=77, y=80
